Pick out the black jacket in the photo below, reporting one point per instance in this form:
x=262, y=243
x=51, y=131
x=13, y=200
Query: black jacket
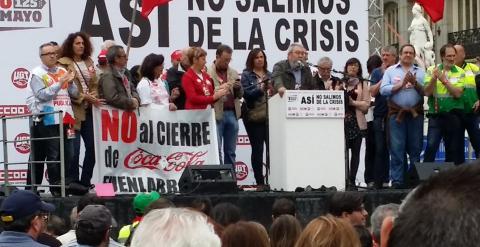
x=282, y=76
x=174, y=79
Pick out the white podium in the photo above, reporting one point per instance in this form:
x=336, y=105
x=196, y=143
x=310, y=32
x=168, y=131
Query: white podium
x=307, y=139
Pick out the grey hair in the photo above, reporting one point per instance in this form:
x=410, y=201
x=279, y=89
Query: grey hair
x=175, y=227
x=390, y=49
x=112, y=53
x=325, y=60
x=379, y=215
x=42, y=46
x=293, y=45
x=107, y=44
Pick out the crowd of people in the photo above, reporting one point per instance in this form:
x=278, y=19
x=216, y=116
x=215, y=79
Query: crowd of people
x=68, y=80
x=436, y=213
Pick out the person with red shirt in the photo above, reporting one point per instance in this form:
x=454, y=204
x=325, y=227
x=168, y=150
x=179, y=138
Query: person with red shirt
x=198, y=86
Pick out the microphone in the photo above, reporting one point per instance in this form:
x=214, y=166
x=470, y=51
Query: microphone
x=348, y=77
x=312, y=65
x=300, y=64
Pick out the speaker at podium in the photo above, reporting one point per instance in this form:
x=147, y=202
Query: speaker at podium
x=208, y=179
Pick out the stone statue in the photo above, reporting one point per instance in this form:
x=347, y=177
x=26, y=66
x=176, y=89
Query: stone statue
x=421, y=38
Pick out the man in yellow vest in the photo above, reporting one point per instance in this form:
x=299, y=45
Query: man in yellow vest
x=50, y=89
x=444, y=86
x=471, y=119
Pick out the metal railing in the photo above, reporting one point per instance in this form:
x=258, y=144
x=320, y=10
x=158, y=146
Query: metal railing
x=32, y=162
x=469, y=38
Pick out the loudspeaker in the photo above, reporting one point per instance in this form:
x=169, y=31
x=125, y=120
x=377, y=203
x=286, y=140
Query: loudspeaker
x=208, y=179
x=427, y=169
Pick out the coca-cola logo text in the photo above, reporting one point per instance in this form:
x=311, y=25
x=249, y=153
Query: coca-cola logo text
x=20, y=77
x=21, y=145
x=177, y=161
x=241, y=170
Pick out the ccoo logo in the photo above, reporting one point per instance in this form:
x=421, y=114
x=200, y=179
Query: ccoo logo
x=20, y=77
x=21, y=143
x=241, y=170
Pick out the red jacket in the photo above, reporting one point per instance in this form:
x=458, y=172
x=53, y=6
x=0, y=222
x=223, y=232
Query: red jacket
x=198, y=92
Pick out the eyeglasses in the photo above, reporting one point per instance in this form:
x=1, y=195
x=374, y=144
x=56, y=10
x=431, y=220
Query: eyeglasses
x=324, y=69
x=49, y=54
x=44, y=216
x=122, y=56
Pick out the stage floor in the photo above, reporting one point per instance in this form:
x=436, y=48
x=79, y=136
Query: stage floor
x=255, y=206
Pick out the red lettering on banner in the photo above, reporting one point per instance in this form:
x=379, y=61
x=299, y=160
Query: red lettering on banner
x=14, y=175
x=109, y=125
x=129, y=127
x=13, y=110
x=180, y=160
x=176, y=161
x=141, y=159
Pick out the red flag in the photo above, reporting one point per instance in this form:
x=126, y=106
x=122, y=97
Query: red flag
x=149, y=5
x=434, y=8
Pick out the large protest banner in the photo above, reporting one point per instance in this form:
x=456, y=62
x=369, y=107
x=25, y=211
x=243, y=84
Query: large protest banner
x=334, y=28
x=148, y=149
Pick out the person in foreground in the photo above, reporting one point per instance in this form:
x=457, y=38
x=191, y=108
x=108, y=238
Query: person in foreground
x=24, y=217
x=175, y=227
x=439, y=213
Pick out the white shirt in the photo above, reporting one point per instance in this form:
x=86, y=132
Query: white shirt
x=152, y=92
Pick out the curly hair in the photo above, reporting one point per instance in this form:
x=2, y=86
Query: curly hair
x=67, y=46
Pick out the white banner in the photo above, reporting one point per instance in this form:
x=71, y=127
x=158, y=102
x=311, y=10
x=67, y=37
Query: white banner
x=148, y=149
x=315, y=104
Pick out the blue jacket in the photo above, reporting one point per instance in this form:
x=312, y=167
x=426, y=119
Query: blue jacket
x=18, y=239
x=251, y=91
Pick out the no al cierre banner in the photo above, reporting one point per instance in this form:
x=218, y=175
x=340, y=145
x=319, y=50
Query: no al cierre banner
x=148, y=149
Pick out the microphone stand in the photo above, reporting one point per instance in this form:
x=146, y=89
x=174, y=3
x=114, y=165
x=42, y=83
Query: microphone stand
x=349, y=186
x=267, y=132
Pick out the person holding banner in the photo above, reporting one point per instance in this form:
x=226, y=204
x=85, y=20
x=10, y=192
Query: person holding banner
x=115, y=85
x=254, y=79
x=75, y=56
x=51, y=87
x=198, y=85
x=292, y=73
x=151, y=88
x=180, y=65
x=358, y=95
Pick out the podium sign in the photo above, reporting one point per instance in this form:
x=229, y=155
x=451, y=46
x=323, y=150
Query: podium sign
x=315, y=104
x=306, y=149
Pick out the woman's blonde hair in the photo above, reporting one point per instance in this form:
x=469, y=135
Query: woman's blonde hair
x=328, y=231
x=195, y=52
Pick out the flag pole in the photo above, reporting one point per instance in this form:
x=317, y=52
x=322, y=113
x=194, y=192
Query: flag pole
x=129, y=42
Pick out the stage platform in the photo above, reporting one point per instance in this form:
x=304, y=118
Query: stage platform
x=254, y=205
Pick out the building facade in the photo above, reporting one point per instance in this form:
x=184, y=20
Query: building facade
x=460, y=24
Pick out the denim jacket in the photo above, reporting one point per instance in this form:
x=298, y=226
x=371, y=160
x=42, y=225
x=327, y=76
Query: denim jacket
x=251, y=90
x=18, y=239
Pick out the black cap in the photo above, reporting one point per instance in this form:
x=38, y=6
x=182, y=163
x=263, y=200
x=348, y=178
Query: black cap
x=22, y=203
